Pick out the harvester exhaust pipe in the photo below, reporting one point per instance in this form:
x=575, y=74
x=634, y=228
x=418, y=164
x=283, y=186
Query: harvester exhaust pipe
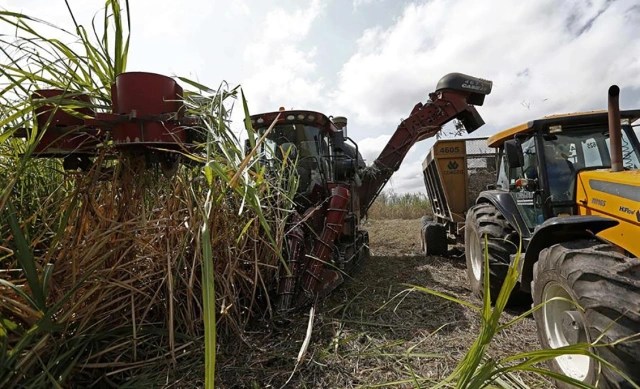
x=341, y=123
x=615, y=132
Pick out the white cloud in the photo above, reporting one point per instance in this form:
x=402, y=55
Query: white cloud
x=359, y=3
x=408, y=179
x=283, y=70
x=370, y=148
x=238, y=8
x=543, y=56
x=531, y=50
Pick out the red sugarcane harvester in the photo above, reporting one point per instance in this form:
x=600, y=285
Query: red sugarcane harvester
x=336, y=189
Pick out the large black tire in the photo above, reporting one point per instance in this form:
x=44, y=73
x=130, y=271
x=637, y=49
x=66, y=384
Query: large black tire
x=606, y=285
x=484, y=220
x=435, y=239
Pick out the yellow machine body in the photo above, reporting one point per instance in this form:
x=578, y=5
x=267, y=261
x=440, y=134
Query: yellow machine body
x=614, y=195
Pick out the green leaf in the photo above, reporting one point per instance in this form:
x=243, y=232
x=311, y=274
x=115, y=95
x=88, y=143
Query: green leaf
x=251, y=133
x=445, y=296
x=197, y=85
x=208, y=173
x=25, y=258
x=6, y=326
x=209, y=306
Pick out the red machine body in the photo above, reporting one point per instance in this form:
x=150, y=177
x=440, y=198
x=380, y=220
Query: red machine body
x=147, y=115
x=64, y=134
x=153, y=107
x=336, y=188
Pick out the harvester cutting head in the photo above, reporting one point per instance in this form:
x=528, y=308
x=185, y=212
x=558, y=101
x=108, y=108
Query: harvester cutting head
x=147, y=115
x=147, y=110
x=61, y=114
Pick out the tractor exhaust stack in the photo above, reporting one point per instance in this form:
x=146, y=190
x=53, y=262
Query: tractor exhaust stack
x=615, y=132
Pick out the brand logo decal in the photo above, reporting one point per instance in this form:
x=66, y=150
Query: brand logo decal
x=473, y=85
x=626, y=210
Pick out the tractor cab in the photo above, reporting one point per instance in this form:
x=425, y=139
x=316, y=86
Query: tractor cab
x=540, y=161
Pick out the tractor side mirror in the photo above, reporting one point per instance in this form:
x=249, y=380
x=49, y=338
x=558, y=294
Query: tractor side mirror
x=514, y=154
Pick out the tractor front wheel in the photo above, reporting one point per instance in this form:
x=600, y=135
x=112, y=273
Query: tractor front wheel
x=486, y=226
x=589, y=293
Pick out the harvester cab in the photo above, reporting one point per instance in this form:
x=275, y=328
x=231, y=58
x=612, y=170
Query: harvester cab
x=313, y=146
x=336, y=188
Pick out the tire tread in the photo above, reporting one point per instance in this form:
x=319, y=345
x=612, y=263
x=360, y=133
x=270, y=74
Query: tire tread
x=607, y=286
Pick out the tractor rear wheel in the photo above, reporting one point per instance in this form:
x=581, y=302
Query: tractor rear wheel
x=600, y=291
x=484, y=220
x=435, y=239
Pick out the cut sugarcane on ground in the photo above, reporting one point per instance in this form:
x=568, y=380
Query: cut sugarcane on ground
x=370, y=333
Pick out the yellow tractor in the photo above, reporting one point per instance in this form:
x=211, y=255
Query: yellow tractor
x=568, y=191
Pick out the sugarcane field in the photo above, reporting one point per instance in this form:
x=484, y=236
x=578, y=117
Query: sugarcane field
x=319, y=194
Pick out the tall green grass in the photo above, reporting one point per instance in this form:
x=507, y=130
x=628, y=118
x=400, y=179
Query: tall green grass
x=122, y=276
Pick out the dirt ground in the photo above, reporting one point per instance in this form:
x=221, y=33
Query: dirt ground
x=373, y=332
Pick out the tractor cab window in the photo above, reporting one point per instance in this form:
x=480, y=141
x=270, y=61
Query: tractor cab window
x=590, y=152
x=629, y=152
x=530, y=167
x=524, y=184
x=570, y=150
x=560, y=160
x=503, y=172
x=590, y=148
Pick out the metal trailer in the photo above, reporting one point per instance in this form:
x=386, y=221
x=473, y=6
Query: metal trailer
x=455, y=171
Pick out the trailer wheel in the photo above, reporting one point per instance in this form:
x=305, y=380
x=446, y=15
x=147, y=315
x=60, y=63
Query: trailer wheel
x=602, y=287
x=484, y=220
x=435, y=239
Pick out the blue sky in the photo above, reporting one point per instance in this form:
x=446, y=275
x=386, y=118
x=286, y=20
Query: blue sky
x=372, y=60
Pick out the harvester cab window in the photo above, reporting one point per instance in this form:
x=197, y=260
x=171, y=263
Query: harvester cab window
x=302, y=143
x=303, y=137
